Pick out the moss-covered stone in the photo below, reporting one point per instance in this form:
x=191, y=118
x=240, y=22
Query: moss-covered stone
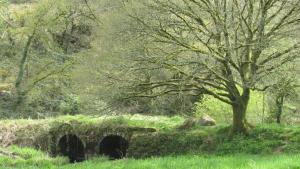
x=45, y=135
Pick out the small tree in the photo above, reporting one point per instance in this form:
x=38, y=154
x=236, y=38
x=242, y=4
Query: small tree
x=221, y=48
x=284, y=90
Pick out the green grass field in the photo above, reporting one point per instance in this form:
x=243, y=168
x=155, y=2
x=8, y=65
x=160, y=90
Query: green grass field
x=178, y=162
x=198, y=162
x=27, y=158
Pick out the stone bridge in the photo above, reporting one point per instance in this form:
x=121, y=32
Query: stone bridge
x=80, y=142
x=78, y=138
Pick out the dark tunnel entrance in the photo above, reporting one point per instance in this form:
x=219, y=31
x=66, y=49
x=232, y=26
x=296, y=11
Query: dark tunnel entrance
x=72, y=147
x=114, y=147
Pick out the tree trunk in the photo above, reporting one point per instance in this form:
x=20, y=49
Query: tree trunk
x=279, y=105
x=278, y=119
x=239, y=120
x=239, y=108
x=19, y=80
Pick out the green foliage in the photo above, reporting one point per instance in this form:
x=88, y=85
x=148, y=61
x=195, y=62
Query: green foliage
x=283, y=95
x=40, y=43
x=74, y=64
x=96, y=42
x=70, y=105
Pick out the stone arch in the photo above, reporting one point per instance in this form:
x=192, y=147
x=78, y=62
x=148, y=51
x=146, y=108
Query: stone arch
x=113, y=146
x=70, y=145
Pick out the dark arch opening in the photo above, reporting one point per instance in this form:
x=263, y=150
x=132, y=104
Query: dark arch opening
x=114, y=147
x=71, y=146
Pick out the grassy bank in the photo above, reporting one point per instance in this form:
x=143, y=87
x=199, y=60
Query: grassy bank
x=266, y=146
x=168, y=140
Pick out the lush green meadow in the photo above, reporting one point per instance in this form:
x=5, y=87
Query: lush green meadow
x=199, y=162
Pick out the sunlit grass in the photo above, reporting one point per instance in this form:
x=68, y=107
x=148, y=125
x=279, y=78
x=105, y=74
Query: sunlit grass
x=15, y=157
x=240, y=161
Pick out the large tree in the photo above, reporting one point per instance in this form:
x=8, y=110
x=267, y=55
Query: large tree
x=222, y=48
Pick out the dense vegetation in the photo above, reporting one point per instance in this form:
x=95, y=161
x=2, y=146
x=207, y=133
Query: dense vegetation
x=160, y=64
x=81, y=57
